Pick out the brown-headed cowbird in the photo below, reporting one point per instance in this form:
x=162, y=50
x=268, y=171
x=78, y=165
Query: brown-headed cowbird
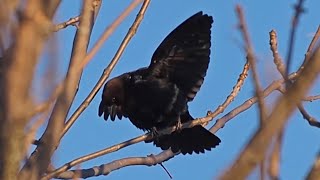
x=156, y=97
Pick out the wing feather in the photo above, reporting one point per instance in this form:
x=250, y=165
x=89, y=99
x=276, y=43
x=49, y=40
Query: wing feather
x=183, y=56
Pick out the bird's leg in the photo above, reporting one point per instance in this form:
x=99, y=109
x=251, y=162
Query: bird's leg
x=179, y=125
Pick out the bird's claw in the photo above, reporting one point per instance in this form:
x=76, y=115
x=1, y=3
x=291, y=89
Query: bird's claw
x=154, y=133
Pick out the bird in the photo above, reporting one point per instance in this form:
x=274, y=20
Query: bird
x=157, y=96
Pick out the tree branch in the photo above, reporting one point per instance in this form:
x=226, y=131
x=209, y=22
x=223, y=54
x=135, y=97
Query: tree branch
x=106, y=169
x=251, y=59
x=38, y=162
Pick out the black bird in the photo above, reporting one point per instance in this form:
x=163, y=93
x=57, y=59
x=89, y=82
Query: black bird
x=156, y=97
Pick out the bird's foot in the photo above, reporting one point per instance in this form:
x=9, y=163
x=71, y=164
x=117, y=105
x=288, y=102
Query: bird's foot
x=154, y=134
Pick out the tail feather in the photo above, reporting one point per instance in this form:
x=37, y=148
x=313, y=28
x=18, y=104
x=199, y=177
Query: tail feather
x=196, y=139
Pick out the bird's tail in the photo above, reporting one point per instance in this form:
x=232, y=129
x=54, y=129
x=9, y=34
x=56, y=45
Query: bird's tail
x=196, y=139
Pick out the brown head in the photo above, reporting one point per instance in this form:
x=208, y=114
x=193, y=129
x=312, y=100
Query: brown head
x=113, y=97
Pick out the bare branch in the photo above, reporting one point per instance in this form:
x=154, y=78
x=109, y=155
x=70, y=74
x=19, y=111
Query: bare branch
x=276, y=57
x=282, y=70
x=274, y=164
x=106, y=169
x=311, y=120
x=255, y=151
x=311, y=98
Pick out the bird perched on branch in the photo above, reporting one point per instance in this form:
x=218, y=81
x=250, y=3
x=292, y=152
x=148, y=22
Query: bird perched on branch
x=156, y=97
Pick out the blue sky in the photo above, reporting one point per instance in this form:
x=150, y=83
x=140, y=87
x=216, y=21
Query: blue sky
x=91, y=133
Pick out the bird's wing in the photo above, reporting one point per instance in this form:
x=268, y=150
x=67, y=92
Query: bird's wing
x=183, y=56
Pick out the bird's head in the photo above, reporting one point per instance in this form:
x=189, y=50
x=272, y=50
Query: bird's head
x=113, y=97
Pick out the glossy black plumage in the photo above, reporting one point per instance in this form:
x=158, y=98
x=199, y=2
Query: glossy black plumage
x=156, y=96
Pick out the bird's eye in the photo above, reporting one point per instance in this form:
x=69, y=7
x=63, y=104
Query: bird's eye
x=129, y=77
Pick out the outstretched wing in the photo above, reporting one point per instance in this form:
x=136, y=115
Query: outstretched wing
x=183, y=56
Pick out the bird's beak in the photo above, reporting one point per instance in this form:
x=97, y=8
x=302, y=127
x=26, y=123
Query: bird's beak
x=113, y=112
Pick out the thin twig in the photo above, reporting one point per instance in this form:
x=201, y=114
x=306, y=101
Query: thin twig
x=310, y=49
x=108, y=70
x=71, y=21
x=31, y=132
x=294, y=24
x=165, y=169
x=311, y=120
x=311, y=98
x=276, y=57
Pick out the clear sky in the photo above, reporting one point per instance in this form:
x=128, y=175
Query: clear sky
x=91, y=133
